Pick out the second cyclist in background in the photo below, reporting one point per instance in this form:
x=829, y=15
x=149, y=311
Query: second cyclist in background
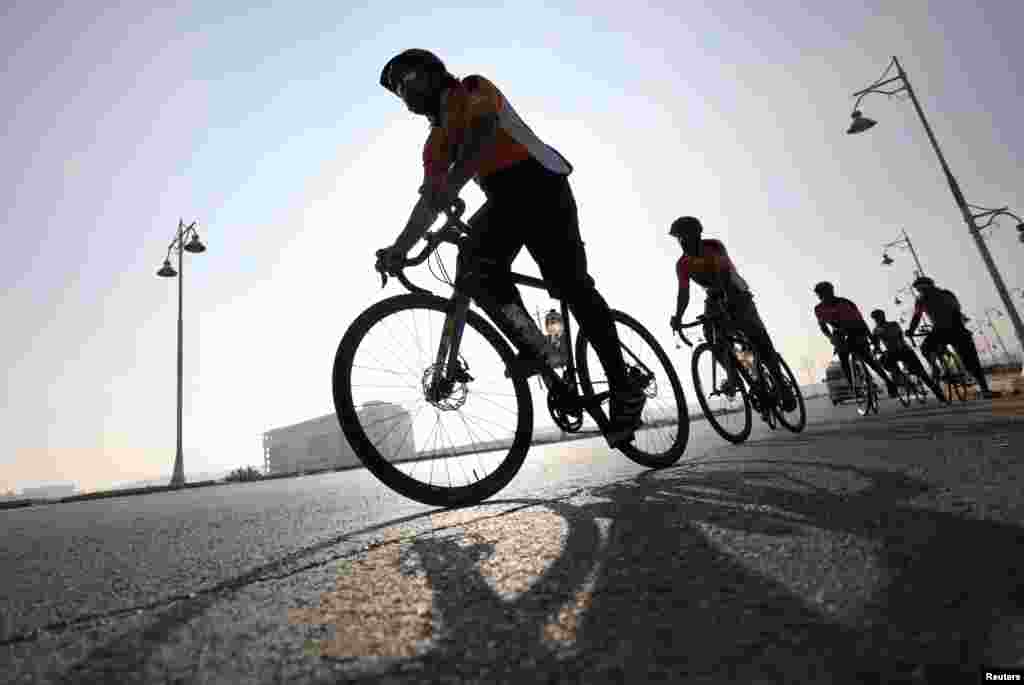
x=897, y=350
x=947, y=318
x=849, y=332
x=706, y=262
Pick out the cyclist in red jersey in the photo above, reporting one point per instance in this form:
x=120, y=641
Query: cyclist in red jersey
x=947, y=318
x=476, y=134
x=849, y=332
x=707, y=263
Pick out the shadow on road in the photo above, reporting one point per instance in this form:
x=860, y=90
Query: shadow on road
x=668, y=602
x=694, y=573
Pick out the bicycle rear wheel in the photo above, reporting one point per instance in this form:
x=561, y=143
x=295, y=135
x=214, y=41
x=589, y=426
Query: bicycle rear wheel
x=727, y=407
x=864, y=390
x=450, y=446
x=796, y=419
x=764, y=395
x=662, y=438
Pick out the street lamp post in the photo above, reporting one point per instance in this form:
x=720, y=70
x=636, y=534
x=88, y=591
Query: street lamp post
x=167, y=271
x=861, y=123
x=902, y=242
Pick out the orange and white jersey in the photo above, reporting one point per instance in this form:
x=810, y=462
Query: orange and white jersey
x=460, y=105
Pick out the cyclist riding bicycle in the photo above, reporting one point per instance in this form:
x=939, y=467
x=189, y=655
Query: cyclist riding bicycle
x=475, y=133
x=707, y=263
x=897, y=350
x=849, y=332
x=946, y=315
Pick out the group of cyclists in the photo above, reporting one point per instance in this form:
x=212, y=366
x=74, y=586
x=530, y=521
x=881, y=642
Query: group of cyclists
x=850, y=334
x=476, y=134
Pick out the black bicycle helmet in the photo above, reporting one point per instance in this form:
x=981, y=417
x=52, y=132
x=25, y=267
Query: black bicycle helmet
x=405, y=60
x=824, y=287
x=923, y=282
x=684, y=225
x=878, y=314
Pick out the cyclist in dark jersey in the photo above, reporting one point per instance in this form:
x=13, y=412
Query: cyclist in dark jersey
x=947, y=318
x=897, y=350
x=476, y=134
x=849, y=332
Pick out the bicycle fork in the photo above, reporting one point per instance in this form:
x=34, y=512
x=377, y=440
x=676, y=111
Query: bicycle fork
x=447, y=370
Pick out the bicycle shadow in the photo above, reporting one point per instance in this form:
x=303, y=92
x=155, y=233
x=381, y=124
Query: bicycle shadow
x=672, y=600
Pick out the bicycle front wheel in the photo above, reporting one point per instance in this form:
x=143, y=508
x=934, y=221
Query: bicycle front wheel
x=662, y=438
x=725, y=404
x=450, y=444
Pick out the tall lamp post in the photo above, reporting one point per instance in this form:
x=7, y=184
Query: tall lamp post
x=902, y=242
x=860, y=123
x=167, y=271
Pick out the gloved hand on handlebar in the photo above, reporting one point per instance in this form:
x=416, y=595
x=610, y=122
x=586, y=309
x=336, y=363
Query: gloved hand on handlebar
x=390, y=260
x=675, y=322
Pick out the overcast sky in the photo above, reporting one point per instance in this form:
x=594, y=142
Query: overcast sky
x=268, y=126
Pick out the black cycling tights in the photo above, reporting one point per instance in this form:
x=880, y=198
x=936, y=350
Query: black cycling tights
x=527, y=205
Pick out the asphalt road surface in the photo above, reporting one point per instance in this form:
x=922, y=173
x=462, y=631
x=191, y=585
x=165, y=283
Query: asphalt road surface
x=879, y=549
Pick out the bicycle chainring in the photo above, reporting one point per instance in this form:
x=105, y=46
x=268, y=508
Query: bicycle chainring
x=569, y=420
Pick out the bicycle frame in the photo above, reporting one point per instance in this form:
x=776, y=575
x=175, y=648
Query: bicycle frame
x=447, y=369
x=455, y=322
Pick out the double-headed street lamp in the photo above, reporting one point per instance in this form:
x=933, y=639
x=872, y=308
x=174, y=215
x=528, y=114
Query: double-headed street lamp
x=905, y=243
x=993, y=213
x=906, y=290
x=167, y=271
x=860, y=123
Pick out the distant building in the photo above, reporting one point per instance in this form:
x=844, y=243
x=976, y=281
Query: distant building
x=50, y=491
x=320, y=444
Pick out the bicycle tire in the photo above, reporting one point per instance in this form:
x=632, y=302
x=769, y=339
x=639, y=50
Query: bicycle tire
x=709, y=413
x=768, y=392
x=862, y=387
x=904, y=389
x=367, y=451
x=801, y=407
x=920, y=389
x=873, y=389
x=675, y=450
